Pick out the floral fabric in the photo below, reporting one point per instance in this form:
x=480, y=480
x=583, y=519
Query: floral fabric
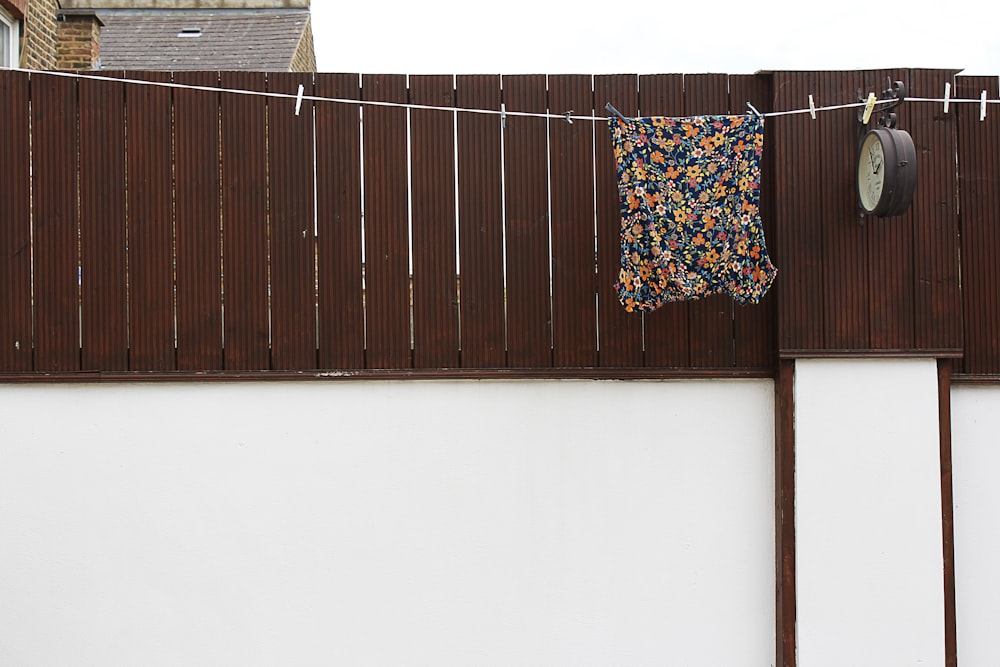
x=690, y=194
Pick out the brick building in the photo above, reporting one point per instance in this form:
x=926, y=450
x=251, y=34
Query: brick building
x=269, y=35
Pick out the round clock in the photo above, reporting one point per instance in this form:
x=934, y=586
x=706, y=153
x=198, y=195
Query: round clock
x=887, y=172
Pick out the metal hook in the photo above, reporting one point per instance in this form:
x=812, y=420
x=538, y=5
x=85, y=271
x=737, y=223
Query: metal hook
x=615, y=111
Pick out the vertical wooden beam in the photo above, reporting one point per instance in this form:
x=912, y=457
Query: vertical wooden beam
x=150, y=197
x=784, y=514
x=432, y=152
x=529, y=313
x=480, y=222
x=292, y=234
x=947, y=513
x=15, y=233
x=386, y=224
x=619, y=333
x=338, y=202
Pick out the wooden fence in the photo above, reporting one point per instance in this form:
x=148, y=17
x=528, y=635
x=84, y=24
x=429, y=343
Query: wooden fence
x=178, y=230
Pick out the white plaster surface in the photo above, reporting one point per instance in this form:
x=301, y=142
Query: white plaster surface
x=542, y=523
x=975, y=418
x=869, y=559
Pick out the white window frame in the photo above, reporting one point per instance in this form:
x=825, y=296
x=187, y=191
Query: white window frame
x=13, y=29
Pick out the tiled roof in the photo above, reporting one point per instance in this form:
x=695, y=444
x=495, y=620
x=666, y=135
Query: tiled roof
x=262, y=40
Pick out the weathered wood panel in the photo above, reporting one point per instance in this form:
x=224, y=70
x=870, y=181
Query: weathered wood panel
x=435, y=273
x=15, y=232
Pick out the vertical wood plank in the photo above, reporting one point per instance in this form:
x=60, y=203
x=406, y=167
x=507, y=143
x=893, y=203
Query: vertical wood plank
x=435, y=274
x=890, y=243
x=937, y=299
x=619, y=333
x=845, y=294
x=338, y=200
x=798, y=245
x=245, y=224
x=198, y=223
x=784, y=512
x=710, y=320
x=529, y=331
x=574, y=280
x=15, y=232
x=150, y=224
x=292, y=229
x=54, y=201
x=979, y=201
x=665, y=330
x=104, y=309
x=947, y=513
x=755, y=326
x=480, y=221
x=386, y=224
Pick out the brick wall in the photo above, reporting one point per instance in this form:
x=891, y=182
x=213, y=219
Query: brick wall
x=79, y=46
x=40, y=33
x=304, y=59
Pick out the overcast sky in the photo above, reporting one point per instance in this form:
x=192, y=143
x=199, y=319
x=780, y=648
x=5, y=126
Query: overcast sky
x=688, y=36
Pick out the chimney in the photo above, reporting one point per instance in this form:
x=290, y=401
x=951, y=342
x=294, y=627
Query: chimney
x=78, y=40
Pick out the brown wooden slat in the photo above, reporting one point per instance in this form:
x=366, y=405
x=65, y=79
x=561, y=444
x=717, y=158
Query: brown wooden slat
x=150, y=224
x=104, y=309
x=15, y=232
x=755, y=327
x=338, y=197
x=944, y=368
x=784, y=512
x=292, y=229
x=619, y=333
x=480, y=221
x=890, y=253
x=798, y=244
x=710, y=320
x=845, y=268
x=432, y=151
x=54, y=195
x=574, y=280
x=386, y=224
x=529, y=332
x=197, y=223
x=244, y=223
x=665, y=330
x=979, y=201
x=937, y=300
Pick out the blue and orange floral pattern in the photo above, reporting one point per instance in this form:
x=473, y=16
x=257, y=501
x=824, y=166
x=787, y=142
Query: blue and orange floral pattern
x=690, y=209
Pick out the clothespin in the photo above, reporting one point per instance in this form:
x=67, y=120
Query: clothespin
x=298, y=99
x=982, y=106
x=869, y=106
x=503, y=115
x=754, y=110
x=566, y=116
x=812, y=108
x=947, y=95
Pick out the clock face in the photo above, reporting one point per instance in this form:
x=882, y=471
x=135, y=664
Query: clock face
x=871, y=172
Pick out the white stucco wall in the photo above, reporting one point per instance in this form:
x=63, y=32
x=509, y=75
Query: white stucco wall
x=869, y=586
x=387, y=523
x=975, y=419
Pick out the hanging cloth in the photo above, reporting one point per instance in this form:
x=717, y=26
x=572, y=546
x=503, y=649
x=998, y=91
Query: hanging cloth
x=690, y=214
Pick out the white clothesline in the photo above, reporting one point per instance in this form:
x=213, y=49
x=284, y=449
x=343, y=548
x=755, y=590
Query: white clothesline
x=568, y=116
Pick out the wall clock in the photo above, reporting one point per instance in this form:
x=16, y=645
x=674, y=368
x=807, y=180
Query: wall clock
x=887, y=172
x=887, y=160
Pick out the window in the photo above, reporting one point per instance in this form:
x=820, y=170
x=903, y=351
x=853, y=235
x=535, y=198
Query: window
x=8, y=40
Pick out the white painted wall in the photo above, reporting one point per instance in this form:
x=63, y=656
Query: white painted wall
x=868, y=514
x=975, y=419
x=387, y=523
